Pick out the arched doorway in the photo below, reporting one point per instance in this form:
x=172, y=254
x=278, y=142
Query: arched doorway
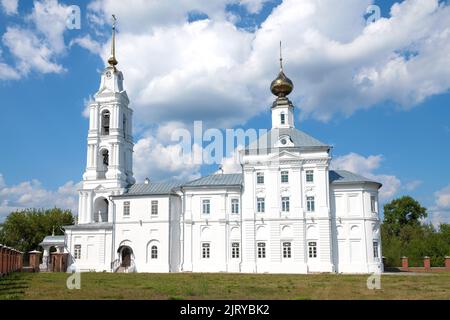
x=126, y=256
x=101, y=210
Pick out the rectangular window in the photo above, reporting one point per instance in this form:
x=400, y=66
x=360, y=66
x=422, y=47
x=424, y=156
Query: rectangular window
x=283, y=118
x=154, y=208
x=206, y=206
x=312, y=249
x=206, y=250
x=375, y=250
x=310, y=176
x=310, y=204
x=235, y=206
x=77, y=252
x=261, y=205
x=373, y=204
x=285, y=204
x=235, y=248
x=287, y=250
x=284, y=176
x=261, y=250
x=260, y=178
x=126, y=208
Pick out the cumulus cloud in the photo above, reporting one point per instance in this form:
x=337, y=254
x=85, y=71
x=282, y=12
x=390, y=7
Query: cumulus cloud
x=440, y=211
x=253, y=6
x=165, y=161
x=211, y=70
x=37, y=45
x=366, y=166
x=88, y=43
x=10, y=7
x=32, y=194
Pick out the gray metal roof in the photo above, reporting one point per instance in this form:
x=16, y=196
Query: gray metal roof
x=299, y=139
x=217, y=180
x=52, y=240
x=347, y=177
x=102, y=225
x=152, y=188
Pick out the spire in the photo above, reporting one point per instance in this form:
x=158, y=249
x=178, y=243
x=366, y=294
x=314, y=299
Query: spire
x=112, y=59
x=281, y=58
x=282, y=86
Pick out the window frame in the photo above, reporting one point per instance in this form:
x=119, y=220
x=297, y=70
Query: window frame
x=260, y=178
x=311, y=204
x=287, y=249
x=261, y=250
x=309, y=176
x=261, y=205
x=282, y=118
x=77, y=252
x=285, y=204
x=312, y=250
x=206, y=203
x=127, y=208
x=235, y=250
x=373, y=204
x=284, y=174
x=376, y=252
x=154, y=252
x=154, y=204
x=235, y=202
x=206, y=250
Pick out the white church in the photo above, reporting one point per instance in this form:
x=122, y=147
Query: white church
x=286, y=212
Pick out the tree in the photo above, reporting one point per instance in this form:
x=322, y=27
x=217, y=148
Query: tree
x=24, y=230
x=402, y=212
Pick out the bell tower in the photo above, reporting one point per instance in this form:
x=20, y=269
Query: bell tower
x=110, y=145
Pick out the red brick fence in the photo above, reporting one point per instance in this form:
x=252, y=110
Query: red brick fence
x=426, y=265
x=11, y=260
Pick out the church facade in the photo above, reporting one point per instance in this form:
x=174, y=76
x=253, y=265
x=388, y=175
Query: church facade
x=286, y=212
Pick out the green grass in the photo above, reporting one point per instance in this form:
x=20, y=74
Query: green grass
x=222, y=286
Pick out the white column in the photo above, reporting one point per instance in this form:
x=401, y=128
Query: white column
x=80, y=207
x=110, y=211
x=90, y=211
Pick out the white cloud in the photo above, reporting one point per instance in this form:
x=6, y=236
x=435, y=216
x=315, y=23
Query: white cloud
x=164, y=161
x=31, y=194
x=87, y=43
x=366, y=166
x=253, y=6
x=232, y=164
x=30, y=52
x=10, y=7
x=213, y=71
x=412, y=185
x=440, y=211
x=38, y=45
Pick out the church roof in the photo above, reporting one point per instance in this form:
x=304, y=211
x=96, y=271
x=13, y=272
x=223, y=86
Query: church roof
x=96, y=225
x=347, y=177
x=49, y=240
x=217, y=180
x=153, y=188
x=299, y=139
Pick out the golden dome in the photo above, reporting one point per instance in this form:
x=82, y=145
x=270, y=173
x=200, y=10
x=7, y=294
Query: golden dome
x=282, y=86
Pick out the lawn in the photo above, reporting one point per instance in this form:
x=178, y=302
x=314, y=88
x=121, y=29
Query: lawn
x=223, y=286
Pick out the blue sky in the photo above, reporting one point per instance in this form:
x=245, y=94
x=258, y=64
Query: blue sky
x=44, y=130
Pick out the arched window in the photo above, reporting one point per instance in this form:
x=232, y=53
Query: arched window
x=154, y=253
x=105, y=157
x=106, y=116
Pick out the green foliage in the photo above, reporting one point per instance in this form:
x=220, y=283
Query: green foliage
x=402, y=212
x=25, y=229
x=403, y=234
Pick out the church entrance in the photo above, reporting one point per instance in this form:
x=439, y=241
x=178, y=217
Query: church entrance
x=126, y=257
